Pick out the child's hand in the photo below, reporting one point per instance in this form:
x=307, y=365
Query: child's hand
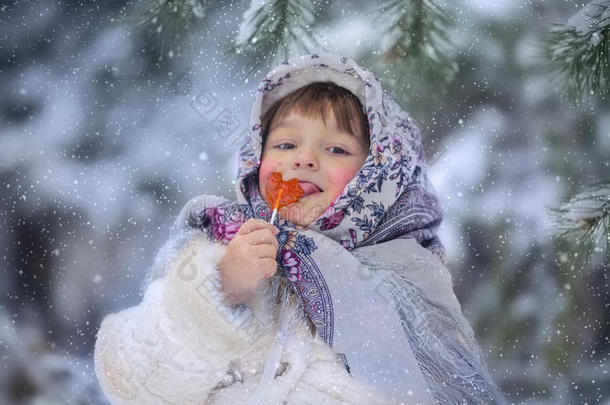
x=249, y=258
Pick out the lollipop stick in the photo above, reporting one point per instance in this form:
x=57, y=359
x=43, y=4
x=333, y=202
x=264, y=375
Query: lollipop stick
x=273, y=216
x=276, y=205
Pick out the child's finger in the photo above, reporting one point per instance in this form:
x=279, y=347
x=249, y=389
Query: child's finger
x=266, y=252
x=262, y=236
x=255, y=224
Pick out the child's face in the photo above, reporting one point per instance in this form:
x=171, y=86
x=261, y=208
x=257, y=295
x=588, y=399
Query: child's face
x=320, y=156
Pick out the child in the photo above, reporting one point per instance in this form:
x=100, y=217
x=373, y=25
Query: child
x=345, y=299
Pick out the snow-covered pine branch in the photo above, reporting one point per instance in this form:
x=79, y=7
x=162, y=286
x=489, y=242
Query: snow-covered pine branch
x=417, y=41
x=272, y=30
x=584, y=220
x=579, y=51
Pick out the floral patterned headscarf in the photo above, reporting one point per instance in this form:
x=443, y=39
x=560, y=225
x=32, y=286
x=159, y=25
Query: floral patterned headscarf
x=390, y=197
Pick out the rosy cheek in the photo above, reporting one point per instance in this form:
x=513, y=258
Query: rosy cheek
x=263, y=171
x=339, y=179
x=267, y=166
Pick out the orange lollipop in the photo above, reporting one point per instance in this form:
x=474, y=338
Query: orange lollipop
x=282, y=192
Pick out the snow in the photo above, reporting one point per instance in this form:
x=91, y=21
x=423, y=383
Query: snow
x=100, y=145
x=591, y=12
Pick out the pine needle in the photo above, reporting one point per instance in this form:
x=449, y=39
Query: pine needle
x=580, y=56
x=420, y=45
x=273, y=32
x=584, y=221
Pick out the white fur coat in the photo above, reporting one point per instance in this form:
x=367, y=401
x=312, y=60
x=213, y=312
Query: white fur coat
x=183, y=345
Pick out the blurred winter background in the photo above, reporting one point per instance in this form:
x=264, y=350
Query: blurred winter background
x=112, y=117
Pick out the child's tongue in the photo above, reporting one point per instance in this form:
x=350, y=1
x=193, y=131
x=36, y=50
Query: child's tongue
x=308, y=188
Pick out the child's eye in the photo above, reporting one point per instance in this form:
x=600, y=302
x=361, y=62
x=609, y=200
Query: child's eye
x=339, y=150
x=281, y=146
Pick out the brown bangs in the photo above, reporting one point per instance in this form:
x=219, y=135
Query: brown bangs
x=316, y=101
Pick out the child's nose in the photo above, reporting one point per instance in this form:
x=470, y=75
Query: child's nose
x=305, y=159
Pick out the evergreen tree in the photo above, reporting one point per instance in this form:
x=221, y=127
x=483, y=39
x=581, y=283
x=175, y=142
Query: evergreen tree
x=584, y=221
x=274, y=30
x=419, y=46
x=579, y=54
